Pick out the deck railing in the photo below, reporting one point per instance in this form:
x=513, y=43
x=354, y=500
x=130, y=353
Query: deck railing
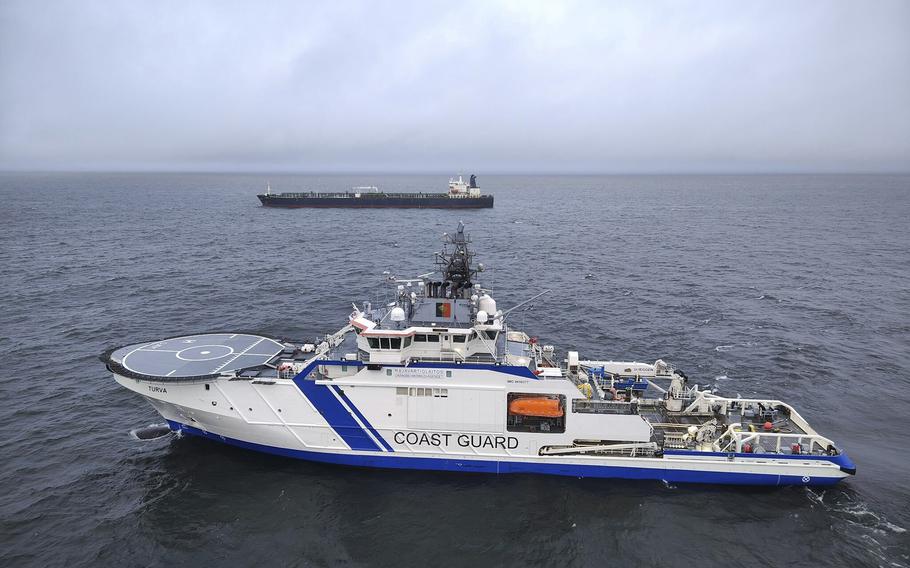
x=734, y=439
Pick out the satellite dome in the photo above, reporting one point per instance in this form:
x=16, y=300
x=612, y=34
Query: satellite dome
x=487, y=304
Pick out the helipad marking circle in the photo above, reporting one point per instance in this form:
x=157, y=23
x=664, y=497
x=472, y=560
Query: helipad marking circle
x=204, y=352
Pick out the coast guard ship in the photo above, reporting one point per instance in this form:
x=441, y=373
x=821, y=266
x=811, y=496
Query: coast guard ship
x=435, y=378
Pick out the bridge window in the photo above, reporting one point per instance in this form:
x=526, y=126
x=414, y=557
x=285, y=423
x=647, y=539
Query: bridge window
x=407, y=341
x=489, y=334
x=385, y=342
x=459, y=338
x=420, y=337
x=433, y=338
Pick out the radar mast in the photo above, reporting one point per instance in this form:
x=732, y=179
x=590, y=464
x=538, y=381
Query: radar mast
x=456, y=266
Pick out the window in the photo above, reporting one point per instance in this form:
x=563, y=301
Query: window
x=441, y=393
x=396, y=342
x=585, y=406
x=531, y=412
x=432, y=338
x=384, y=342
x=374, y=342
x=490, y=334
x=420, y=337
x=401, y=391
x=459, y=338
x=407, y=341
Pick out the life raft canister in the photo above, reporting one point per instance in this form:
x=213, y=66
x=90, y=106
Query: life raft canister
x=536, y=406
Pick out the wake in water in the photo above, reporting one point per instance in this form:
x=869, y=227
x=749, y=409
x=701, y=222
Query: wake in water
x=862, y=524
x=150, y=432
x=852, y=511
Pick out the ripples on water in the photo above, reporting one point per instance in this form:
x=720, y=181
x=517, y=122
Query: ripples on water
x=788, y=286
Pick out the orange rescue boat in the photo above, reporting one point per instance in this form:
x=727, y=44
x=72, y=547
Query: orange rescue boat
x=536, y=406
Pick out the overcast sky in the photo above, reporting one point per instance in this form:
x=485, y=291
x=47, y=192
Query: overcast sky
x=486, y=86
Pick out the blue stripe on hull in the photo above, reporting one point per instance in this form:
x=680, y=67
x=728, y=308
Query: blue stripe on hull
x=363, y=419
x=342, y=420
x=385, y=460
x=336, y=415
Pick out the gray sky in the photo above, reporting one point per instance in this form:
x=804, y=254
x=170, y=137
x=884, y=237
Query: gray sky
x=511, y=86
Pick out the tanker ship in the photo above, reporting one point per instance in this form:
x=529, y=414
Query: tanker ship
x=461, y=195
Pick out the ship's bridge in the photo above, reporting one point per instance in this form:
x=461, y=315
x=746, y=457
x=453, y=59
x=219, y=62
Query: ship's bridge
x=479, y=344
x=451, y=319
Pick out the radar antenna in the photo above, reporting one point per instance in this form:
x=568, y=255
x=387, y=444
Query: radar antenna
x=456, y=267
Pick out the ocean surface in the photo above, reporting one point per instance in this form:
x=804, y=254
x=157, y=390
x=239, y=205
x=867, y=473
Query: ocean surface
x=795, y=287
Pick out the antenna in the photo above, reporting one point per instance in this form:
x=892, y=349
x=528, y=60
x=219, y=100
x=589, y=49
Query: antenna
x=456, y=266
x=513, y=308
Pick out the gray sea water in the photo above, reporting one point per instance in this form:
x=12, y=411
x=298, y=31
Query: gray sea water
x=795, y=287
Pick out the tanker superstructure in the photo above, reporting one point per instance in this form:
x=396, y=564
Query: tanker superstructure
x=461, y=195
x=435, y=377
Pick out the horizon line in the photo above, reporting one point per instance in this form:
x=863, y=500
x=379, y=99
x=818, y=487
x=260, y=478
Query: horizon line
x=509, y=172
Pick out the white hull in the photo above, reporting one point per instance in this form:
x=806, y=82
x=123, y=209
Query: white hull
x=284, y=421
x=438, y=380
